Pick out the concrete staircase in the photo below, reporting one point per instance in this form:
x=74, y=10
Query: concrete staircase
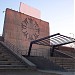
x=66, y=63
x=11, y=63
x=64, y=57
x=44, y=63
x=69, y=51
x=60, y=58
x=11, y=60
x=8, y=60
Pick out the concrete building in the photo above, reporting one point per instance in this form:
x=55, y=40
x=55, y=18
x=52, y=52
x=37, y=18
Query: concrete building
x=19, y=31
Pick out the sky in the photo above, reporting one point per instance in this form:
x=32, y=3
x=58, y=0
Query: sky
x=59, y=13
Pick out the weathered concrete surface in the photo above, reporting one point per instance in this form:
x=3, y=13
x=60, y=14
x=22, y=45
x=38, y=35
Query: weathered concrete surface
x=25, y=72
x=20, y=29
x=24, y=8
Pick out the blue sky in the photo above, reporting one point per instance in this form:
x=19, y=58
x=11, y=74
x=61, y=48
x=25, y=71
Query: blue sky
x=59, y=13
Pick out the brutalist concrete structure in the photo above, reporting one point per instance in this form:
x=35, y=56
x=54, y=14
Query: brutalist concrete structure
x=20, y=29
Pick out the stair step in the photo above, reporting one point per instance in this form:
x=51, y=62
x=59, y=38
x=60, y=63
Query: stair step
x=44, y=63
x=70, y=52
x=7, y=56
x=13, y=67
x=9, y=62
x=67, y=63
x=9, y=59
x=3, y=59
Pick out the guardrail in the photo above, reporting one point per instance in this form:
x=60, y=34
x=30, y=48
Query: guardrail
x=67, y=63
x=34, y=52
x=13, y=48
x=38, y=52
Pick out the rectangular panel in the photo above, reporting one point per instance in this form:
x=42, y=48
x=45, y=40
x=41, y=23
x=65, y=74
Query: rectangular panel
x=24, y=8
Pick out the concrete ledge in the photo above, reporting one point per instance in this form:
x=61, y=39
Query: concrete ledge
x=25, y=72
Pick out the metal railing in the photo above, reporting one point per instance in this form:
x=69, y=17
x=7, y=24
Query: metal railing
x=14, y=49
x=34, y=52
x=67, y=63
x=52, y=41
x=18, y=53
x=40, y=52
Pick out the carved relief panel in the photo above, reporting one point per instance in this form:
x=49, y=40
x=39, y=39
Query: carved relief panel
x=30, y=29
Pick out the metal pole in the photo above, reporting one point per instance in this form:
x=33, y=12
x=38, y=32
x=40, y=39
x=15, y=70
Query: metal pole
x=30, y=49
x=52, y=51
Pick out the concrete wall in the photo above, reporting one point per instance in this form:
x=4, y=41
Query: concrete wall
x=20, y=29
x=26, y=9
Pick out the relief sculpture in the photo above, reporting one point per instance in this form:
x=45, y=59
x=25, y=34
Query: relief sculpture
x=30, y=29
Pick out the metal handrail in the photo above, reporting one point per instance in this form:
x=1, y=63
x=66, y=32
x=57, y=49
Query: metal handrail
x=56, y=58
x=65, y=53
x=72, y=54
x=34, y=52
x=20, y=51
x=38, y=52
x=15, y=49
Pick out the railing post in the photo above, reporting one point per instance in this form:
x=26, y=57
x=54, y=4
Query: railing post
x=52, y=51
x=30, y=49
